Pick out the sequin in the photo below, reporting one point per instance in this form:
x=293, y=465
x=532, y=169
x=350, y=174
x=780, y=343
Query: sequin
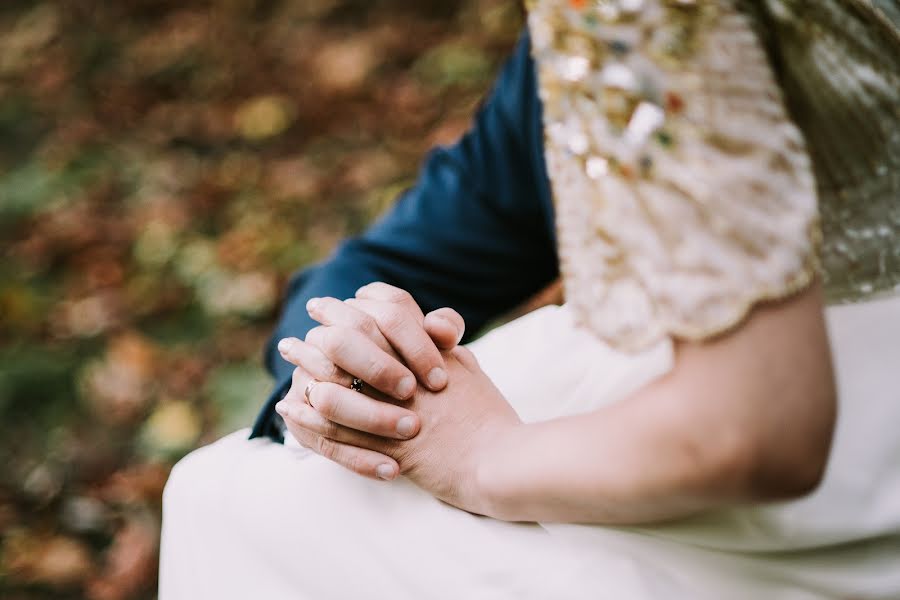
x=645, y=120
x=575, y=68
x=618, y=76
x=674, y=102
x=578, y=142
x=609, y=12
x=661, y=239
x=596, y=167
x=631, y=6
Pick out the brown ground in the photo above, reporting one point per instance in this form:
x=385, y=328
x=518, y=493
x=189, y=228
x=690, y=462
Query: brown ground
x=164, y=166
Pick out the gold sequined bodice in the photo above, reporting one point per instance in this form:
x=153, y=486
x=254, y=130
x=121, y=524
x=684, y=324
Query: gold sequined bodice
x=698, y=150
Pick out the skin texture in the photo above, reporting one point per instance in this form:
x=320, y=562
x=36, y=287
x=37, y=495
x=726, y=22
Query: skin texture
x=368, y=337
x=745, y=417
x=457, y=430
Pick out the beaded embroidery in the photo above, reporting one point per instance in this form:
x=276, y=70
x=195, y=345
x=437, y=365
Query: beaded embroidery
x=684, y=194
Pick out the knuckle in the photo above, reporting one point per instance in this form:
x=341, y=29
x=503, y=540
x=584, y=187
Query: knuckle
x=327, y=403
x=326, y=447
x=392, y=319
x=301, y=438
x=386, y=292
x=333, y=342
x=314, y=335
x=421, y=355
x=330, y=430
x=356, y=463
x=367, y=325
x=397, y=295
x=297, y=376
x=423, y=349
x=333, y=372
x=403, y=454
x=378, y=372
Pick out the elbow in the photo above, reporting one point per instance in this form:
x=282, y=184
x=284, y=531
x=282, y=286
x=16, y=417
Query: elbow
x=785, y=478
x=786, y=462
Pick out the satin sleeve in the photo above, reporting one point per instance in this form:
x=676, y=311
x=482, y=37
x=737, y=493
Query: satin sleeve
x=683, y=191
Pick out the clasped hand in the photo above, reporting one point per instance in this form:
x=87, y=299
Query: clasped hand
x=435, y=433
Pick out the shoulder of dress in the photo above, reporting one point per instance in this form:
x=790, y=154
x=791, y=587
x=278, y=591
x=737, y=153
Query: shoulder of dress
x=684, y=193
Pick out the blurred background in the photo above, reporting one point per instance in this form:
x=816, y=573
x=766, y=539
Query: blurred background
x=164, y=166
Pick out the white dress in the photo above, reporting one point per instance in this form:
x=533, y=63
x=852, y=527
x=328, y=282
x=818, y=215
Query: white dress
x=255, y=519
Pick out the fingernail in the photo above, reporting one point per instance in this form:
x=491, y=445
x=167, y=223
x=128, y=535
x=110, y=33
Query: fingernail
x=406, y=426
x=284, y=346
x=311, y=304
x=437, y=378
x=452, y=326
x=406, y=387
x=385, y=471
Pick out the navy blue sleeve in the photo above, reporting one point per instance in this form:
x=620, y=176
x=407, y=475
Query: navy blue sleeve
x=475, y=233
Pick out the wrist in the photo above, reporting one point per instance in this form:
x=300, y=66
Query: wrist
x=492, y=474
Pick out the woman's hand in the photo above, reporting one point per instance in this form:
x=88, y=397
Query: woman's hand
x=382, y=338
x=458, y=426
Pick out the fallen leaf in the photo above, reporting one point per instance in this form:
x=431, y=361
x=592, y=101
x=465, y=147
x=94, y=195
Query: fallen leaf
x=135, y=485
x=130, y=564
x=263, y=117
x=83, y=514
x=58, y=561
x=173, y=427
x=343, y=65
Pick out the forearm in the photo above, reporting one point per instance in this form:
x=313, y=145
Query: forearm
x=622, y=464
x=746, y=417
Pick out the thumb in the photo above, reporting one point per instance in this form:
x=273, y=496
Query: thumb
x=445, y=326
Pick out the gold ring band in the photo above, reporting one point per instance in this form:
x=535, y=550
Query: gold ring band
x=309, y=388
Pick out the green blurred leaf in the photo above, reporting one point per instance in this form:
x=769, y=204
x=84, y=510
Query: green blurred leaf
x=237, y=391
x=26, y=190
x=33, y=187
x=454, y=64
x=37, y=384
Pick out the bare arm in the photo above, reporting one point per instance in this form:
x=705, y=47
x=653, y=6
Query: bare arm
x=745, y=417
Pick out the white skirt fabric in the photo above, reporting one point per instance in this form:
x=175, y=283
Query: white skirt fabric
x=255, y=519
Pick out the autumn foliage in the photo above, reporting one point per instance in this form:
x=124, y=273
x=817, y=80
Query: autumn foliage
x=164, y=167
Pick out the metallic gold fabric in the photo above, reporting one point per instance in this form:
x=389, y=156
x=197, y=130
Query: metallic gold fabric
x=840, y=71
x=684, y=190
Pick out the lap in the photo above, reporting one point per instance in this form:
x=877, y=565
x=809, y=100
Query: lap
x=262, y=516
x=252, y=518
